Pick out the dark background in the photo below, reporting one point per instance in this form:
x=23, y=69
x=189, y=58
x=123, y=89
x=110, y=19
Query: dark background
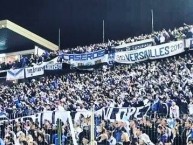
x=80, y=21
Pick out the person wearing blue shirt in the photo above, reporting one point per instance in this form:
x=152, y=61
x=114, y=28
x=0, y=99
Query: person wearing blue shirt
x=117, y=134
x=2, y=142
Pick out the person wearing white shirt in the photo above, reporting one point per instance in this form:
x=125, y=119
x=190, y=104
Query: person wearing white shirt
x=162, y=38
x=191, y=30
x=145, y=138
x=174, y=111
x=60, y=107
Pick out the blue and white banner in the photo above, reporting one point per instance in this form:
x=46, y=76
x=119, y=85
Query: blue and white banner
x=15, y=74
x=34, y=71
x=86, y=59
x=53, y=66
x=134, y=45
x=154, y=52
x=53, y=61
x=99, y=57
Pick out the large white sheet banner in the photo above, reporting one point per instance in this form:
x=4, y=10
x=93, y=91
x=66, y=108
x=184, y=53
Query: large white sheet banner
x=34, y=71
x=153, y=52
x=15, y=74
x=52, y=116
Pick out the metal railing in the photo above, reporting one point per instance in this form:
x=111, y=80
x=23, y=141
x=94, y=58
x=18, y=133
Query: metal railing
x=78, y=128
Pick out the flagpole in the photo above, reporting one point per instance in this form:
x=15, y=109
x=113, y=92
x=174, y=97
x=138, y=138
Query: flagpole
x=59, y=38
x=92, y=124
x=92, y=129
x=103, y=31
x=152, y=21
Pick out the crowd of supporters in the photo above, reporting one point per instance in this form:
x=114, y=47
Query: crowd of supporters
x=167, y=84
x=159, y=37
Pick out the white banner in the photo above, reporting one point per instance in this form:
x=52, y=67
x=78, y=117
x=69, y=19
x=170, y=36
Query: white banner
x=15, y=74
x=117, y=114
x=154, y=52
x=54, y=66
x=91, y=62
x=135, y=45
x=125, y=114
x=51, y=116
x=34, y=71
x=53, y=61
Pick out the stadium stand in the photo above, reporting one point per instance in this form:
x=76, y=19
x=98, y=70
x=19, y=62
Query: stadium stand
x=18, y=44
x=146, y=101
x=158, y=37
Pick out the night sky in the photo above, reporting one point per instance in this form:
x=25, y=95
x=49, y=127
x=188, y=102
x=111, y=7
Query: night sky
x=80, y=21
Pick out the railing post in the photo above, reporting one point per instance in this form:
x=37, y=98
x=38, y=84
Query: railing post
x=92, y=124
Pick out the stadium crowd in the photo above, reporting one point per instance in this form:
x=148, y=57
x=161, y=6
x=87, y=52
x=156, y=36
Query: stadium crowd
x=159, y=37
x=167, y=84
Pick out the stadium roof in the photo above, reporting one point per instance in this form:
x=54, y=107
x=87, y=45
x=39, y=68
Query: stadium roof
x=15, y=38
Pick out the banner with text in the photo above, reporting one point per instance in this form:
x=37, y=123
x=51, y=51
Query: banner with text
x=134, y=45
x=154, y=52
x=53, y=66
x=116, y=114
x=15, y=74
x=86, y=59
x=34, y=71
x=125, y=114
